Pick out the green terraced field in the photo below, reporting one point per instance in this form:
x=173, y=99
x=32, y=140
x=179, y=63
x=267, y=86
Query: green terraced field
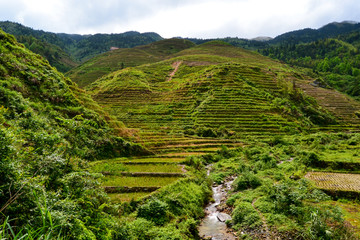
x=351, y=156
x=147, y=160
x=126, y=197
x=216, y=91
x=119, y=167
x=146, y=181
x=208, y=96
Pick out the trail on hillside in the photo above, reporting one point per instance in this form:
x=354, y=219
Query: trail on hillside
x=267, y=234
x=176, y=66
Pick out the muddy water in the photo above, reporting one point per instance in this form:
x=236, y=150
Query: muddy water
x=213, y=225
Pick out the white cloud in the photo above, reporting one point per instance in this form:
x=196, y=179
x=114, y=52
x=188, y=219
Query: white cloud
x=187, y=18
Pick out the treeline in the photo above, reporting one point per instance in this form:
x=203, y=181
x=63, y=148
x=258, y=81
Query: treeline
x=55, y=55
x=336, y=60
x=60, y=48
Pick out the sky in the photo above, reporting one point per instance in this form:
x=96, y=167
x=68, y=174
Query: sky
x=179, y=18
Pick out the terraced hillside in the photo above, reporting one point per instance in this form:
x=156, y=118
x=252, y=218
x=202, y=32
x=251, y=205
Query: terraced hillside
x=126, y=57
x=209, y=96
x=216, y=91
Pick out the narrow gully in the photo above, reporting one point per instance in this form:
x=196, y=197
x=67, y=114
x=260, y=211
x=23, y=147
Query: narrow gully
x=213, y=226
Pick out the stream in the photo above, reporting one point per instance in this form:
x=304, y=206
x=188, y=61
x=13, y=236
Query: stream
x=213, y=225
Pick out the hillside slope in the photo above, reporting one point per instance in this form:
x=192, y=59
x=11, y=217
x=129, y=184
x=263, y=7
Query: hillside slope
x=48, y=128
x=118, y=59
x=336, y=60
x=215, y=90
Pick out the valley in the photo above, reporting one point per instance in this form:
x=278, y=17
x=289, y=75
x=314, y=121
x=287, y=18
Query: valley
x=131, y=143
x=214, y=98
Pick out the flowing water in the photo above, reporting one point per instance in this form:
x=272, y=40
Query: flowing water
x=213, y=225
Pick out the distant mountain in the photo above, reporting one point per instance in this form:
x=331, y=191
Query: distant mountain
x=262, y=39
x=65, y=51
x=70, y=49
x=308, y=35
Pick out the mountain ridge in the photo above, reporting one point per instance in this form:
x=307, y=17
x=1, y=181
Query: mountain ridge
x=82, y=47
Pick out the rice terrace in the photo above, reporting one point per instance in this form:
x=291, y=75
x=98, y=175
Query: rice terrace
x=179, y=138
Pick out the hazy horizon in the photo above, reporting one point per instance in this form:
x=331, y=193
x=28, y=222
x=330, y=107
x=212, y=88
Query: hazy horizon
x=175, y=18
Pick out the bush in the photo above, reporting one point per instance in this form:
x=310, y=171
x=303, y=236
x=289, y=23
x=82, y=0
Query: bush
x=155, y=211
x=247, y=180
x=205, y=132
x=194, y=162
x=310, y=159
x=245, y=215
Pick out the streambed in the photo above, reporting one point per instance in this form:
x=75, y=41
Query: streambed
x=213, y=225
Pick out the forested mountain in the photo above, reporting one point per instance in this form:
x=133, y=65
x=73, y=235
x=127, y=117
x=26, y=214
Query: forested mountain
x=337, y=60
x=65, y=51
x=76, y=48
x=308, y=35
x=298, y=36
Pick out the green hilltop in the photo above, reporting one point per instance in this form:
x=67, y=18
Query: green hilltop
x=217, y=90
x=114, y=60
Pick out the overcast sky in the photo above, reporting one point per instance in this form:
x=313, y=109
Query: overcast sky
x=185, y=18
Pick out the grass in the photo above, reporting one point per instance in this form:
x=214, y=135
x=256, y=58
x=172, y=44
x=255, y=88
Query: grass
x=126, y=197
x=350, y=210
x=342, y=155
x=119, y=167
x=138, y=181
x=146, y=160
x=128, y=57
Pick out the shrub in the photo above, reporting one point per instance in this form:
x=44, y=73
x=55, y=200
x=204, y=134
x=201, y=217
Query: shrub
x=277, y=140
x=194, y=162
x=139, y=229
x=218, y=177
x=245, y=215
x=247, y=180
x=226, y=152
x=205, y=132
x=155, y=211
x=310, y=158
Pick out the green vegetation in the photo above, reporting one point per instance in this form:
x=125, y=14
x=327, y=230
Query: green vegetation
x=101, y=166
x=73, y=168
x=336, y=60
x=46, y=137
x=126, y=57
x=64, y=50
x=270, y=189
x=138, y=181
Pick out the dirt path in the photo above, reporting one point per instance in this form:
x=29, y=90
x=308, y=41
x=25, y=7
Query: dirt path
x=176, y=66
x=266, y=228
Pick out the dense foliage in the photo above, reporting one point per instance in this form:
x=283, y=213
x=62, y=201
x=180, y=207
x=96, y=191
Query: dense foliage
x=46, y=135
x=336, y=60
x=79, y=47
x=270, y=190
x=57, y=57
